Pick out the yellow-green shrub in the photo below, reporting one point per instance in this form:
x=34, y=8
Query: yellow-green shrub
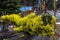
x=12, y=18
x=35, y=25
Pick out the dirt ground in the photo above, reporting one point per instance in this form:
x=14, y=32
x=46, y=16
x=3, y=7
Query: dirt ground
x=57, y=31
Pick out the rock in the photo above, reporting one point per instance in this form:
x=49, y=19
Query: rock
x=41, y=38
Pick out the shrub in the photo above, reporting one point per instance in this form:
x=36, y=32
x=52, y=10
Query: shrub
x=34, y=25
x=13, y=18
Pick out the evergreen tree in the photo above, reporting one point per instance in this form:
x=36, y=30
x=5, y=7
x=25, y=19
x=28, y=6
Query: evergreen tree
x=9, y=6
x=49, y=4
x=58, y=3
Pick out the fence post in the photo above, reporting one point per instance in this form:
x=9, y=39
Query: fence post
x=54, y=7
x=54, y=15
x=44, y=6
